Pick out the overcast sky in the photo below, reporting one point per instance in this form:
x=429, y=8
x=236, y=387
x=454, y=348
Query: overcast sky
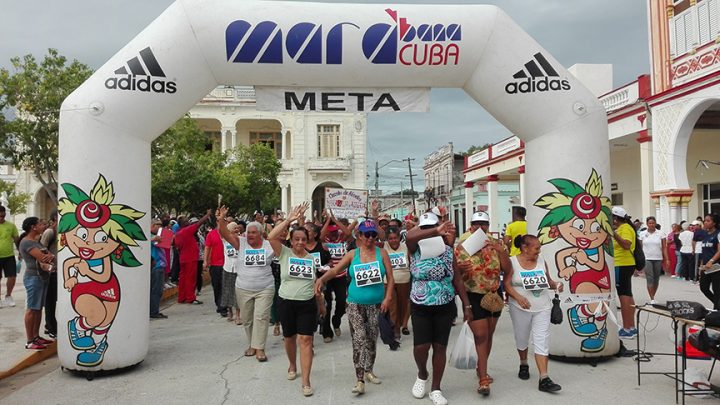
x=577, y=31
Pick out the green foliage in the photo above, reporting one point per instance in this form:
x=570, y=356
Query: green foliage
x=17, y=202
x=32, y=94
x=475, y=148
x=187, y=177
x=567, y=187
x=557, y=216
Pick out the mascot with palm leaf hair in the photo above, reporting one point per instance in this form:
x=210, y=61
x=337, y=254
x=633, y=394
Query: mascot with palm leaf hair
x=98, y=234
x=581, y=217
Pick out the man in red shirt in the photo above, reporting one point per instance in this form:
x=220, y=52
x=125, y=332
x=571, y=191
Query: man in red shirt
x=189, y=255
x=214, y=260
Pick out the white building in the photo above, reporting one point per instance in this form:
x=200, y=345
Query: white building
x=316, y=150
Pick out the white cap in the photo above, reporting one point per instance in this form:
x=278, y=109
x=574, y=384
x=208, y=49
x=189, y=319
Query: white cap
x=697, y=223
x=480, y=216
x=428, y=218
x=619, y=211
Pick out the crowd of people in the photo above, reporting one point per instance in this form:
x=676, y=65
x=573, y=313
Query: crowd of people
x=301, y=274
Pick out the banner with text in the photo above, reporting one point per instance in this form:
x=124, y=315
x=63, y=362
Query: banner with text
x=346, y=203
x=342, y=100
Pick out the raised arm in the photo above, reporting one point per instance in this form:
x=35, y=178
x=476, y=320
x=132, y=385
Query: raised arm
x=231, y=237
x=416, y=234
x=275, y=238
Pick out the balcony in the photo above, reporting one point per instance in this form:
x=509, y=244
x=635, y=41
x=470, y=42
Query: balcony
x=321, y=166
x=234, y=94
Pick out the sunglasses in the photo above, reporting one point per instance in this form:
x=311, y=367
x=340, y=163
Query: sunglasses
x=370, y=234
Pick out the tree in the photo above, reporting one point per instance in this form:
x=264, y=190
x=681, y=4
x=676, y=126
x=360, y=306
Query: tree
x=406, y=193
x=31, y=97
x=474, y=148
x=187, y=175
x=17, y=202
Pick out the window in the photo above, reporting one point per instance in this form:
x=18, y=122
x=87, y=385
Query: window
x=272, y=139
x=711, y=199
x=616, y=199
x=328, y=140
x=212, y=143
x=687, y=33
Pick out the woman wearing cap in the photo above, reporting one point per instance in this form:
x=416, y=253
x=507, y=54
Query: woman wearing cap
x=710, y=282
x=367, y=267
x=480, y=274
x=298, y=307
x=624, y=246
x=530, y=308
x=254, y=285
x=433, y=287
x=397, y=251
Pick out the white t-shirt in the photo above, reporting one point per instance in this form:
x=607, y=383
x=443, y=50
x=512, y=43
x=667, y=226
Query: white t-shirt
x=652, y=244
x=686, y=241
x=540, y=298
x=230, y=263
x=253, y=266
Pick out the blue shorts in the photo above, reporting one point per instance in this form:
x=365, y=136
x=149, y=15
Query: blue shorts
x=36, y=291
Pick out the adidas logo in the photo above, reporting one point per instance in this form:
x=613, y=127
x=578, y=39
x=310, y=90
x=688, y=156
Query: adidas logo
x=537, y=75
x=110, y=293
x=141, y=75
x=604, y=282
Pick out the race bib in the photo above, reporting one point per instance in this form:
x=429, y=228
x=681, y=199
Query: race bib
x=316, y=259
x=230, y=250
x=337, y=250
x=300, y=268
x=534, y=280
x=255, y=257
x=366, y=274
x=398, y=260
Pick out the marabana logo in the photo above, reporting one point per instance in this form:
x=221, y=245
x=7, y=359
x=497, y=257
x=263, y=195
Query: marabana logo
x=309, y=43
x=537, y=77
x=146, y=76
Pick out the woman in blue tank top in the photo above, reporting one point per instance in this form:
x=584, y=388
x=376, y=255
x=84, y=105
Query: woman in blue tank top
x=367, y=296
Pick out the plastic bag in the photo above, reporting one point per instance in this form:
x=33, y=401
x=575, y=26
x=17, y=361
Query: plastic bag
x=463, y=355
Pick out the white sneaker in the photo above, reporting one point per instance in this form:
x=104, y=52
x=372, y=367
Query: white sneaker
x=418, y=389
x=9, y=302
x=438, y=398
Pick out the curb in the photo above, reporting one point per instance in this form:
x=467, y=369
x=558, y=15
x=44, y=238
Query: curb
x=34, y=358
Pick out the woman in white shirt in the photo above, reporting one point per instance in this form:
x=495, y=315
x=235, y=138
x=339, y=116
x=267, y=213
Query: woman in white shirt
x=530, y=289
x=687, y=266
x=227, y=296
x=654, y=245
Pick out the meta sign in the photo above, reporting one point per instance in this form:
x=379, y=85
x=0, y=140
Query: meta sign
x=396, y=41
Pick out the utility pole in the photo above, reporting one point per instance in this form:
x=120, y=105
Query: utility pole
x=377, y=177
x=412, y=189
x=402, y=198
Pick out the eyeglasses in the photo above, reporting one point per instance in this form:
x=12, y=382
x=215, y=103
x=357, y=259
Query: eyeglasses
x=370, y=234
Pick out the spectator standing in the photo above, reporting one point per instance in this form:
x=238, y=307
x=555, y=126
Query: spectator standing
x=654, y=242
x=624, y=239
x=687, y=249
x=49, y=241
x=213, y=261
x=38, y=264
x=518, y=227
x=158, y=264
x=699, y=235
x=8, y=266
x=710, y=282
x=189, y=253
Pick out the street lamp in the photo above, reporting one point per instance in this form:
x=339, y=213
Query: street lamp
x=377, y=175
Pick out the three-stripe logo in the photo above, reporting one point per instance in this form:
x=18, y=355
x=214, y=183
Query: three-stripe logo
x=537, y=75
x=141, y=73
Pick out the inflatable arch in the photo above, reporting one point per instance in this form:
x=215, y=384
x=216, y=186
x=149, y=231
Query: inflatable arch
x=107, y=124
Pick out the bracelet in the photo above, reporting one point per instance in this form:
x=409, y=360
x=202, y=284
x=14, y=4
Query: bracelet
x=468, y=306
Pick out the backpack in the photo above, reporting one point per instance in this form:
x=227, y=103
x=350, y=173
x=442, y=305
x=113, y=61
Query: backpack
x=639, y=255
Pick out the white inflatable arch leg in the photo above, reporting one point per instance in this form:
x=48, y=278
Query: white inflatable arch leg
x=107, y=124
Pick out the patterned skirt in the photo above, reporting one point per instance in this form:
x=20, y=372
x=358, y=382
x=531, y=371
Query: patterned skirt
x=227, y=297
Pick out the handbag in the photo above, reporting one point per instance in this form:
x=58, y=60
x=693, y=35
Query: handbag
x=492, y=302
x=556, y=314
x=691, y=310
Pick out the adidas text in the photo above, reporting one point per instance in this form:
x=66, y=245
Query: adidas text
x=146, y=84
x=532, y=85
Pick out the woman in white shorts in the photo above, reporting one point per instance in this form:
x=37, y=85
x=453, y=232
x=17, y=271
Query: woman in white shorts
x=530, y=289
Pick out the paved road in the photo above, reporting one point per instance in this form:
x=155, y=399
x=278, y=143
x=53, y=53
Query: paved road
x=196, y=358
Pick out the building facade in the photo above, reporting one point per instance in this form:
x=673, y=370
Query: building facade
x=442, y=170
x=316, y=150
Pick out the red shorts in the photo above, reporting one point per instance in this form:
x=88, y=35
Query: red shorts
x=109, y=291
x=599, y=278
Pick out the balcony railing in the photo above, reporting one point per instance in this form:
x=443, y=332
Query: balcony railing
x=240, y=94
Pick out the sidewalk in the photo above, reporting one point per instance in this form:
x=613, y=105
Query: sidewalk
x=197, y=357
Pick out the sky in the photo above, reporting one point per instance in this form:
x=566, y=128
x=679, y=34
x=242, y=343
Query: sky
x=579, y=31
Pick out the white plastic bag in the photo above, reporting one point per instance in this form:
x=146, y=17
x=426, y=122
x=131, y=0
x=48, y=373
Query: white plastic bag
x=463, y=355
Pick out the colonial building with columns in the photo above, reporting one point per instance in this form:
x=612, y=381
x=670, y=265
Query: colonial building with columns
x=664, y=127
x=316, y=150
